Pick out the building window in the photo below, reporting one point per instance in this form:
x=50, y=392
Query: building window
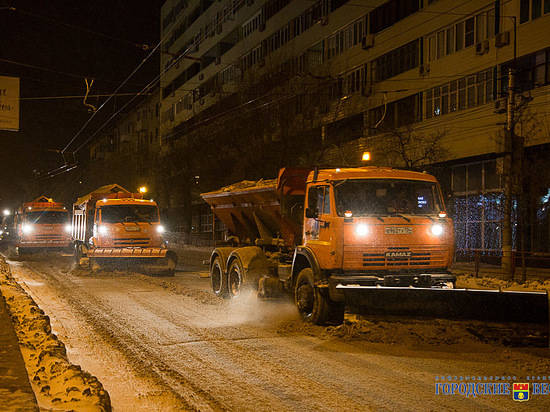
x=460, y=36
x=469, y=28
x=477, y=203
x=460, y=94
x=533, y=9
x=397, y=114
x=397, y=61
x=532, y=71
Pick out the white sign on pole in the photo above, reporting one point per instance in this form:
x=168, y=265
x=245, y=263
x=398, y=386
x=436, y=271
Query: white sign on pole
x=9, y=103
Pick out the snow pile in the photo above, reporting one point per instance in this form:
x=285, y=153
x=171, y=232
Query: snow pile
x=407, y=332
x=58, y=384
x=471, y=282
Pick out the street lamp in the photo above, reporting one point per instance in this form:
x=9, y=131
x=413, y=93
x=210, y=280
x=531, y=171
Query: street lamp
x=365, y=157
x=142, y=189
x=7, y=212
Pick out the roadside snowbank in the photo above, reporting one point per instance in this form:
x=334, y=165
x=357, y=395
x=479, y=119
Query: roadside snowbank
x=58, y=384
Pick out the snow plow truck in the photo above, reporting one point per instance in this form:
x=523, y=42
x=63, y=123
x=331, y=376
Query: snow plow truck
x=115, y=226
x=42, y=225
x=375, y=240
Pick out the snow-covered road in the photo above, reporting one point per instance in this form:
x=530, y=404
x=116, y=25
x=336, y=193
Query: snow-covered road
x=168, y=344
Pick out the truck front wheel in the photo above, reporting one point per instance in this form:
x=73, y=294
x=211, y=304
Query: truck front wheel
x=313, y=304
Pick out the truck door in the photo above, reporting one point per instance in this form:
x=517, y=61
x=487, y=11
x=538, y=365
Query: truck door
x=318, y=231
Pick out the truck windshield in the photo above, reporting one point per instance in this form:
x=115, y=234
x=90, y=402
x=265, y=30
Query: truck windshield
x=129, y=213
x=386, y=197
x=48, y=217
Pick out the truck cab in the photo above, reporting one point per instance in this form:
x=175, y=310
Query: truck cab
x=42, y=225
x=126, y=223
x=379, y=226
x=114, y=225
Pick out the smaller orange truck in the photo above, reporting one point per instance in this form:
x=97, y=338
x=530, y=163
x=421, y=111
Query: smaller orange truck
x=42, y=225
x=113, y=225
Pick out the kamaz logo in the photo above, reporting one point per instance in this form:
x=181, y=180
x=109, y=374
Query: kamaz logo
x=393, y=230
x=398, y=254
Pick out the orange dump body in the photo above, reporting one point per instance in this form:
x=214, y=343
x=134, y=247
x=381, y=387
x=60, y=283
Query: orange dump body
x=96, y=223
x=43, y=224
x=262, y=211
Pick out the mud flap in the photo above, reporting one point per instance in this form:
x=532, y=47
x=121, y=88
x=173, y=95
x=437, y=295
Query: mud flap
x=504, y=307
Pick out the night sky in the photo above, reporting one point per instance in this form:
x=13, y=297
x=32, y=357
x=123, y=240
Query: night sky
x=57, y=37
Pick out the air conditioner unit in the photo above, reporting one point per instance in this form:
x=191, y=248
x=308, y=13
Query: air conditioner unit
x=367, y=42
x=502, y=39
x=479, y=49
x=500, y=105
x=482, y=47
x=424, y=69
x=261, y=27
x=324, y=21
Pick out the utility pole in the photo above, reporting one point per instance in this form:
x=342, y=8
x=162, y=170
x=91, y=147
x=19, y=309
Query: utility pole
x=507, y=257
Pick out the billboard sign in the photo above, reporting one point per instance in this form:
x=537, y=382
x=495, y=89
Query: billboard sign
x=9, y=103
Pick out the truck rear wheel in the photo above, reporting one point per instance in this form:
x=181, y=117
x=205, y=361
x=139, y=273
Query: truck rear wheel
x=313, y=304
x=218, y=278
x=235, y=278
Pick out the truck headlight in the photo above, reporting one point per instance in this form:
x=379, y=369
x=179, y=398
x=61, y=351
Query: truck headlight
x=437, y=229
x=68, y=228
x=102, y=230
x=160, y=229
x=26, y=228
x=362, y=229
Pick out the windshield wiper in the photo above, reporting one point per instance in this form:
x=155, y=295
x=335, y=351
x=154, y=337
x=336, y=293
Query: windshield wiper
x=398, y=215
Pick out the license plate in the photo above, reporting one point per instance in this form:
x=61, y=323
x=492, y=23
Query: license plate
x=395, y=230
x=397, y=254
x=132, y=228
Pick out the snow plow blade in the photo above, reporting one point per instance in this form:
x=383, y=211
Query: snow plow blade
x=127, y=253
x=525, y=309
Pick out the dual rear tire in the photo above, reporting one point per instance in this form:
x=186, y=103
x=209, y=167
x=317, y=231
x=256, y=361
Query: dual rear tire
x=313, y=303
x=228, y=284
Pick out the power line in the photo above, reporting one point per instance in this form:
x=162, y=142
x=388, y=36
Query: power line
x=122, y=84
x=83, y=29
x=77, y=96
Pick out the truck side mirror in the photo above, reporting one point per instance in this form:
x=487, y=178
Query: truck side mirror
x=311, y=213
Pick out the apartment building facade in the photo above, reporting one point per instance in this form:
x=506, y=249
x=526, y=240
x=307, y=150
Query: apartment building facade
x=127, y=151
x=431, y=74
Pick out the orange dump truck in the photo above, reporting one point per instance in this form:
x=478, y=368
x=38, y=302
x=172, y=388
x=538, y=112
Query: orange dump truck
x=42, y=225
x=113, y=225
x=375, y=240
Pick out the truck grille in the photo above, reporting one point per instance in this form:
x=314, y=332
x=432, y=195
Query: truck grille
x=356, y=257
x=131, y=241
x=48, y=237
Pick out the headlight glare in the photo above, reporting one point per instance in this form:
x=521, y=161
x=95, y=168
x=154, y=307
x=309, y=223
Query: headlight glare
x=26, y=228
x=102, y=230
x=361, y=229
x=68, y=228
x=160, y=229
x=437, y=229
